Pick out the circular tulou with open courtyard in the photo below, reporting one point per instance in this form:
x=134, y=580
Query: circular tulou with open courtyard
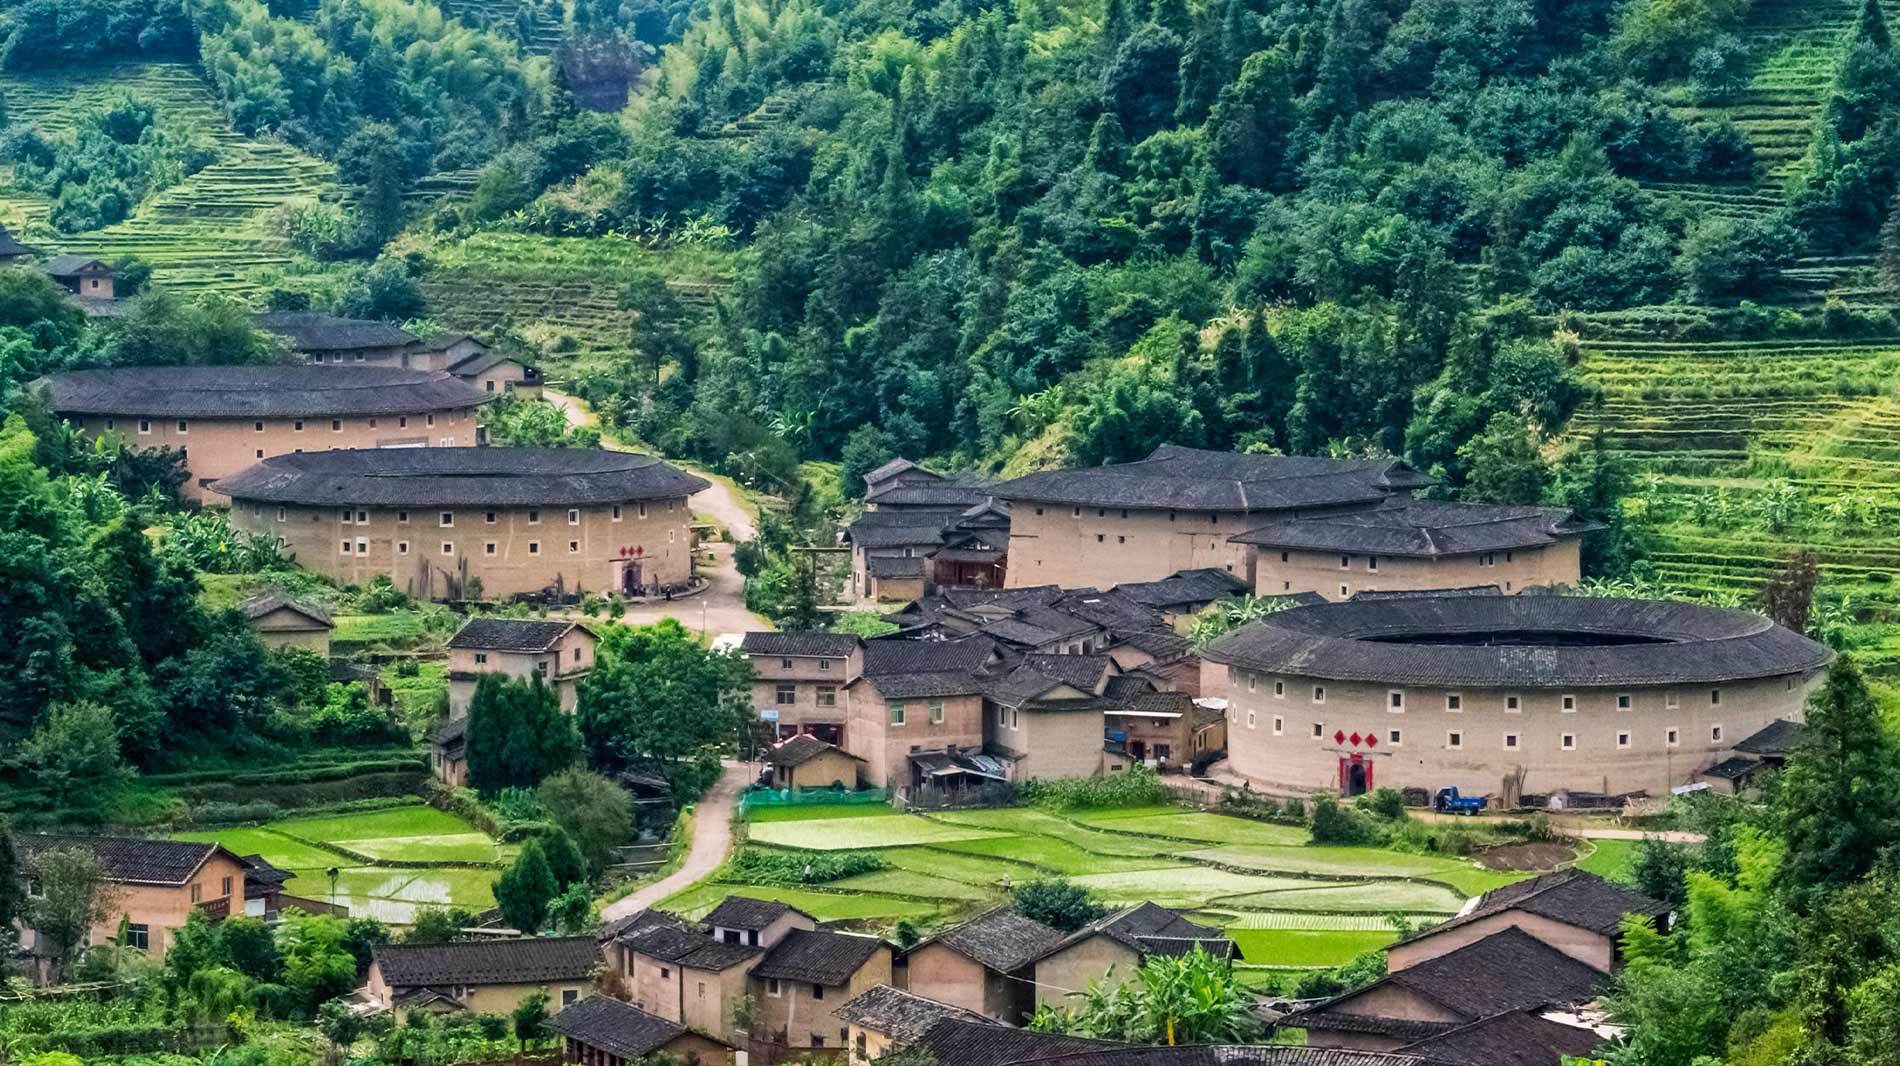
x=1505, y=696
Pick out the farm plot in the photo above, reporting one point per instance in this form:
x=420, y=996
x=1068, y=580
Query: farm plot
x=1294, y=906
x=208, y=233
x=388, y=889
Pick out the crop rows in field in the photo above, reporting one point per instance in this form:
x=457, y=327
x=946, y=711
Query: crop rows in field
x=1299, y=905
x=1713, y=426
x=559, y=295
x=205, y=234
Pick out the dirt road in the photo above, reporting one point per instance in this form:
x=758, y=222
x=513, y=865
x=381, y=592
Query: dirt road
x=712, y=838
x=718, y=500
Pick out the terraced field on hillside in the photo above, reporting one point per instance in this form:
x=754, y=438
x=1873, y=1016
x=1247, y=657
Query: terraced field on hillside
x=205, y=234
x=559, y=295
x=1747, y=451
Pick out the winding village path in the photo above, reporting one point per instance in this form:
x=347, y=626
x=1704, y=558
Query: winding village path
x=712, y=839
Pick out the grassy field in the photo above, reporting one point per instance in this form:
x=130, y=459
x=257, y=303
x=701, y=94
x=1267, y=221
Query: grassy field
x=1293, y=905
x=1614, y=859
x=205, y=234
x=392, y=892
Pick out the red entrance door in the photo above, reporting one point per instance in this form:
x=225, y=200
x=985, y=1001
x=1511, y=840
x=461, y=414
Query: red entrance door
x=1355, y=775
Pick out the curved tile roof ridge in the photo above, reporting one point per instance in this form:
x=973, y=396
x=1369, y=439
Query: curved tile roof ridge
x=452, y=477
x=1391, y=641
x=257, y=391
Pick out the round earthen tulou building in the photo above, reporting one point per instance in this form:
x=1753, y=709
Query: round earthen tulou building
x=1504, y=695
x=476, y=523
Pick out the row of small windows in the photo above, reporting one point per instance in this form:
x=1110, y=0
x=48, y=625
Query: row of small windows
x=1213, y=519
x=447, y=518
x=361, y=547
x=1513, y=703
x=1455, y=738
x=296, y=425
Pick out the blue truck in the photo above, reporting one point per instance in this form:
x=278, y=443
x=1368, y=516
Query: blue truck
x=1448, y=801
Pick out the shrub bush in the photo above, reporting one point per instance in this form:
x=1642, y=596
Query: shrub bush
x=1334, y=824
x=1137, y=787
x=759, y=867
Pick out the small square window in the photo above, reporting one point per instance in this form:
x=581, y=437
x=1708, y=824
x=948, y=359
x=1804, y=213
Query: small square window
x=785, y=694
x=1318, y=731
x=1252, y=680
x=936, y=712
x=1510, y=742
x=1319, y=693
x=1454, y=740
x=258, y=426
x=1672, y=699
x=297, y=426
x=1715, y=734
x=1454, y=702
x=346, y=546
x=336, y=425
x=1279, y=690
x=402, y=516
x=1099, y=538
x=1568, y=742
x=488, y=548
x=184, y=426
x=1345, y=591
x=448, y=519
x=534, y=547
x=1569, y=703
x=429, y=419
x=448, y=548
x=616, y=512
x=362, y=545
x=1395, y=701
x=1622, y=740
x=402, y=547
x=534, y=518
x=573, y=547
x=1623, y=701
x=1279, y=724
x=488, y=517
x=1672, y=736
x=1345, y=562
x=1513, y=705
x=1715, y=697
x=260, y=453
x=1395, y=736
x=402, y=422
x=897, y=714
x=145, y=425
x=1372, y=563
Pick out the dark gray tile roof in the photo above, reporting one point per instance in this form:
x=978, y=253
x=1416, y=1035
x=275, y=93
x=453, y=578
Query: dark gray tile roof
x=1508, y=970
x=1086, y=672
x=259, y=392
x=885, y=656
x=804, y=643
x=1229, y=1055
x=744, y=912
x=1177, y=478
x=911, y=517
x=1422, y=529
x=1185, y=588
x=1020, y=633
x=1114, y=609
x=659, y=935
x=135, y=860
x=510, y=634
x=522, y=960
x=899, y=1015
x=960, y=492
x=1307, y=599
x=265, y=602
x=1573, y=897
x=1000, y=939
x=890, y=567
x=956, y=1042
x=1151, y=929
x=1538, y=642
x=1163, y=645
x=926, y=685
x=1513, y=1038
x=819, y=956
x=67, y=265
x=441, y=342
x=460, y=477
x=452, y=733
x=1778, y=738
x=308, y=331
x=10, y=247
x=894, y=468
x=905, y=536
x=621, y=1029
x=261, y=878
x=800, y=750
x=1732, y=769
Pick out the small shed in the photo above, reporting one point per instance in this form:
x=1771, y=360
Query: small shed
x=450, y=754
x=12, y=251
x=602, y=1031
x=804, y=761
x=282, y=621
x=82, y=275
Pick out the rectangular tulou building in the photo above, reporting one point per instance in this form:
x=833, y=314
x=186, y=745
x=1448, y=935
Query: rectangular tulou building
x=226, y=418
x=476, y=523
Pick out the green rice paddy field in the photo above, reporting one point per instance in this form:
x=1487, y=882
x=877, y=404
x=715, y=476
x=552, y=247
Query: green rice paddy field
x=1289, y=905
x=373, y=853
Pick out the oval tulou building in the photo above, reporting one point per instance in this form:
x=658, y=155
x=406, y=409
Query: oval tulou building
x=1503, y=695
x=476, y=523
